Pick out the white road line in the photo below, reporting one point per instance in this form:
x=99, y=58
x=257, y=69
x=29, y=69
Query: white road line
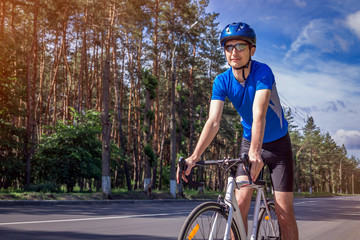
x=297, y=203
x=331, y=198
x=92, y=219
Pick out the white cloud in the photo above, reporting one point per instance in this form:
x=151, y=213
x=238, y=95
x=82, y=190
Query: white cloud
x=322, y=34
x=351, y=139
x=275, y=1
x=353, y=22
x=327, y=94
x=300, y=3
x=282, y=47
x=268, y=18
x=324, y=83
x=354, y=152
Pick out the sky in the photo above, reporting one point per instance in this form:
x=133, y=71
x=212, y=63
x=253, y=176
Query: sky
x=313, y=48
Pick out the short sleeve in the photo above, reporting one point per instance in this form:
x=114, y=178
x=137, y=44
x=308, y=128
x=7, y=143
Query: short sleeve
x=265, y=80
x=218, y=91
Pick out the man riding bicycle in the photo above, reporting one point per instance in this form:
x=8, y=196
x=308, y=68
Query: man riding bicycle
x=250, y=86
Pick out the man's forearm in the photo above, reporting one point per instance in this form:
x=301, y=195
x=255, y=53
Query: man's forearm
x=257, y=136
x=261, y=102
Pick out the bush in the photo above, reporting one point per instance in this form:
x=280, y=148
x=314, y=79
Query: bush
x=71, y=152
x=46, y=187
x=12, y=166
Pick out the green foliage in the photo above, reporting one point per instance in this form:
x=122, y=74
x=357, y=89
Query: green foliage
x=149, y=151
x=150, y=115
x=144, y=37
x=150, y=82
x=319, y=161
x=73, y=151
x=12, y=167
x=165, y=177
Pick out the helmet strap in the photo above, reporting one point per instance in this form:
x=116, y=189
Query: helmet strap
x=243, y=68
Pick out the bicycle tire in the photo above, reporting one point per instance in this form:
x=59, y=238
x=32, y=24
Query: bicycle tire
x=264, y=231
x=199, y=222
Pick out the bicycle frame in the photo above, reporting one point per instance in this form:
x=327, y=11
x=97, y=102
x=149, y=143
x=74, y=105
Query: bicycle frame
x=231, y=201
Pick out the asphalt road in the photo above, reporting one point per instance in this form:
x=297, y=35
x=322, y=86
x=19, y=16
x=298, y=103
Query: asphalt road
x=318, y=218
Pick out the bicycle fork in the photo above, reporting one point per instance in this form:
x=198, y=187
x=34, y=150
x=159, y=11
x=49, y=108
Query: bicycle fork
x=231, y=202
x=259, y=194
x=229, y=199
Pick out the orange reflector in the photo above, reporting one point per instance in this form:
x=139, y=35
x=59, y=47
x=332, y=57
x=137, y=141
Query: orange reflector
x=193, y=232
x=267, y=218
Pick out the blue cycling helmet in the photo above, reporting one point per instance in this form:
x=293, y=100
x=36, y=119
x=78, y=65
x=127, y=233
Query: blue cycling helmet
x=239, y=30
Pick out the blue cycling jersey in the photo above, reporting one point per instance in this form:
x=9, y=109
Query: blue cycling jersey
x=242, y=97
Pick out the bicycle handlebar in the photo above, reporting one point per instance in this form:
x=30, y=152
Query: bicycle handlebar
x=224, y=162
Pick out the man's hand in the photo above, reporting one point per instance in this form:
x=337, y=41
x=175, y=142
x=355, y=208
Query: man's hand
x=189, y=165
x=256, y=165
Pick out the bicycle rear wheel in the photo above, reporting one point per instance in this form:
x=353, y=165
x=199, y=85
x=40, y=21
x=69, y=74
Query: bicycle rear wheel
x=207, y=219
x=265, y=230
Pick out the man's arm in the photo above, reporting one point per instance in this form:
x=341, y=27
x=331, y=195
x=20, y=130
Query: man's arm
x=260, y=106
x=208, y=133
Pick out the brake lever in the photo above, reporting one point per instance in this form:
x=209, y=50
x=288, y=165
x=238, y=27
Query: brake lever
x=247, y=165
x=182, y=168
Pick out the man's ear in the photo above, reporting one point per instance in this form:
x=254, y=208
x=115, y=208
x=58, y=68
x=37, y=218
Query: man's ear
x=253, y=48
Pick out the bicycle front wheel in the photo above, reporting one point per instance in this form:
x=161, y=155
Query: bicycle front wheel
x=207, y=221
x=268, y=225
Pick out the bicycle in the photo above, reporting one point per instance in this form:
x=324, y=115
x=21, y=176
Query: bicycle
x=222, y=219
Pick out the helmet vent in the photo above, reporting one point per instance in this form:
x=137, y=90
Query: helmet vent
x=241, y=26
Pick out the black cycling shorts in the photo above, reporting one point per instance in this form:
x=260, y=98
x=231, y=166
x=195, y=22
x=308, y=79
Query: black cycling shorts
x=277, y=155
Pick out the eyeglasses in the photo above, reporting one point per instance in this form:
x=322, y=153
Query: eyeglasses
x=239, y=47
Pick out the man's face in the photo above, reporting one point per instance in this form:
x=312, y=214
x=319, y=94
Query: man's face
x=238, y=56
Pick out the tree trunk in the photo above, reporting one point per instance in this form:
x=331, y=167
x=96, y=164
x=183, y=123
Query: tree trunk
x=130, y=118
x=156, y=131
x=118, y=94
x=68, y=83
x=30, y=99
x=2, y=25
x=164, y=130
x=39, y=102
x=161, y=155
x=52, y=88
x=173, y=129
x=147, y=133
x=34, y=77
x=105, y=119
x=106, y=129
x=83, y=64
x=191, y=107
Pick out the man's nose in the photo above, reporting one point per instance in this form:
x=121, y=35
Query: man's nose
x=234, y=51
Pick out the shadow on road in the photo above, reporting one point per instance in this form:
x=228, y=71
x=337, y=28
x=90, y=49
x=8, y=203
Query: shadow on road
x=8, y=234
x=93, y=210
x=328, y=210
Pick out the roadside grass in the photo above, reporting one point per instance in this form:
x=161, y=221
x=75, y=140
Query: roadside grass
x=25, y=195
x=315, y=194
x=122, y=193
